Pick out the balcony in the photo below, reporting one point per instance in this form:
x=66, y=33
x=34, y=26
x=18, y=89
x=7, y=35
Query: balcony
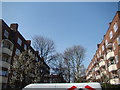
x=4, y=64
x=115, y=81
x=102, y=63
x=98, y=77
x=6, y=51
x=101, y=57
x=109, y=46
x=110, y=55
x=97, y=68
x=7, y=47
x=104, y=72
x=3, y=79
x=87, y=77
x=90, y=75
x=112, y=67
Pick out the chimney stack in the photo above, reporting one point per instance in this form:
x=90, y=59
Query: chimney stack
x=14, y=26
x=98, y=45
x=37, y=52
x=29, y=42
x=110, y=23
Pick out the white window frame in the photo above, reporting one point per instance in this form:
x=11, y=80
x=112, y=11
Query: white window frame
x=111, y=35
x=103, y=48
x=116, y=58
x=115, y=27
x=106, y=42
x=118, y=40
x=114, y=46
x=6, y=33
x=19, y=41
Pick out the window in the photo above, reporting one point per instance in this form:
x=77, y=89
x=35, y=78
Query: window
x=3, y=73
x=41, y=70
x=111, y=35
x=112, y=62
x=118, y=40
x=6, y=34
x=37, y=59
x=106, y=42
x=116, y=57
x=17, y=52
x=115, y=27
x=19, y=41
x=25, y=46
x=114, y=46
x=103, y=48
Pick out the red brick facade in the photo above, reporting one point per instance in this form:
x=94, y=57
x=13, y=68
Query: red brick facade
x=13, y=43
x=105, y=65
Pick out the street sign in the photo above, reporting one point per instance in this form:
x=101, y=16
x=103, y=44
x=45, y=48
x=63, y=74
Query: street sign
x=63, y=86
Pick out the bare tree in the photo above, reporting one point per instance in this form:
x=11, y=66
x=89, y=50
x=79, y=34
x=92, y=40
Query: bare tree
x=82, y=74
x=67, y=72
x=73, y=58
x=45, y=46
x=57, y=65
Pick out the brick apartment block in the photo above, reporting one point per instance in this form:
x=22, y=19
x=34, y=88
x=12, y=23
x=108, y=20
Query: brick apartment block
x=105, y=65
x=13, y=43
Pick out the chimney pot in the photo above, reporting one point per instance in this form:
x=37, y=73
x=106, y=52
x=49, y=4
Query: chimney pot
x=37, y=52
x=14, y=26
x=29, y=42
x=110, y=23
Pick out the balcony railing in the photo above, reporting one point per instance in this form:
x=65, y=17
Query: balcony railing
x=115, y=81
x=104, y=72
x=3, y=79
x=7, y=43
x=102, y=63
x=7, y=51
x=110, y=55
x=89, y=76
x=101, y=57
x=97, y=68
x=98, y=77
x=109, y=46
x=112, y=67
x=4, y=64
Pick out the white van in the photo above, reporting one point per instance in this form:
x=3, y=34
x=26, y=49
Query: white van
x=63, y=86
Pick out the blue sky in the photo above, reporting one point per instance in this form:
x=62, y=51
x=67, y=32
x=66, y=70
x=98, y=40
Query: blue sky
x=67, y=23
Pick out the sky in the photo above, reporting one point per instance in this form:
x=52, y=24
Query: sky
x=66, y=23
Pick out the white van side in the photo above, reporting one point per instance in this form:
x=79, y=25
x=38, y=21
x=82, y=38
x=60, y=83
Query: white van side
x=63, y=86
